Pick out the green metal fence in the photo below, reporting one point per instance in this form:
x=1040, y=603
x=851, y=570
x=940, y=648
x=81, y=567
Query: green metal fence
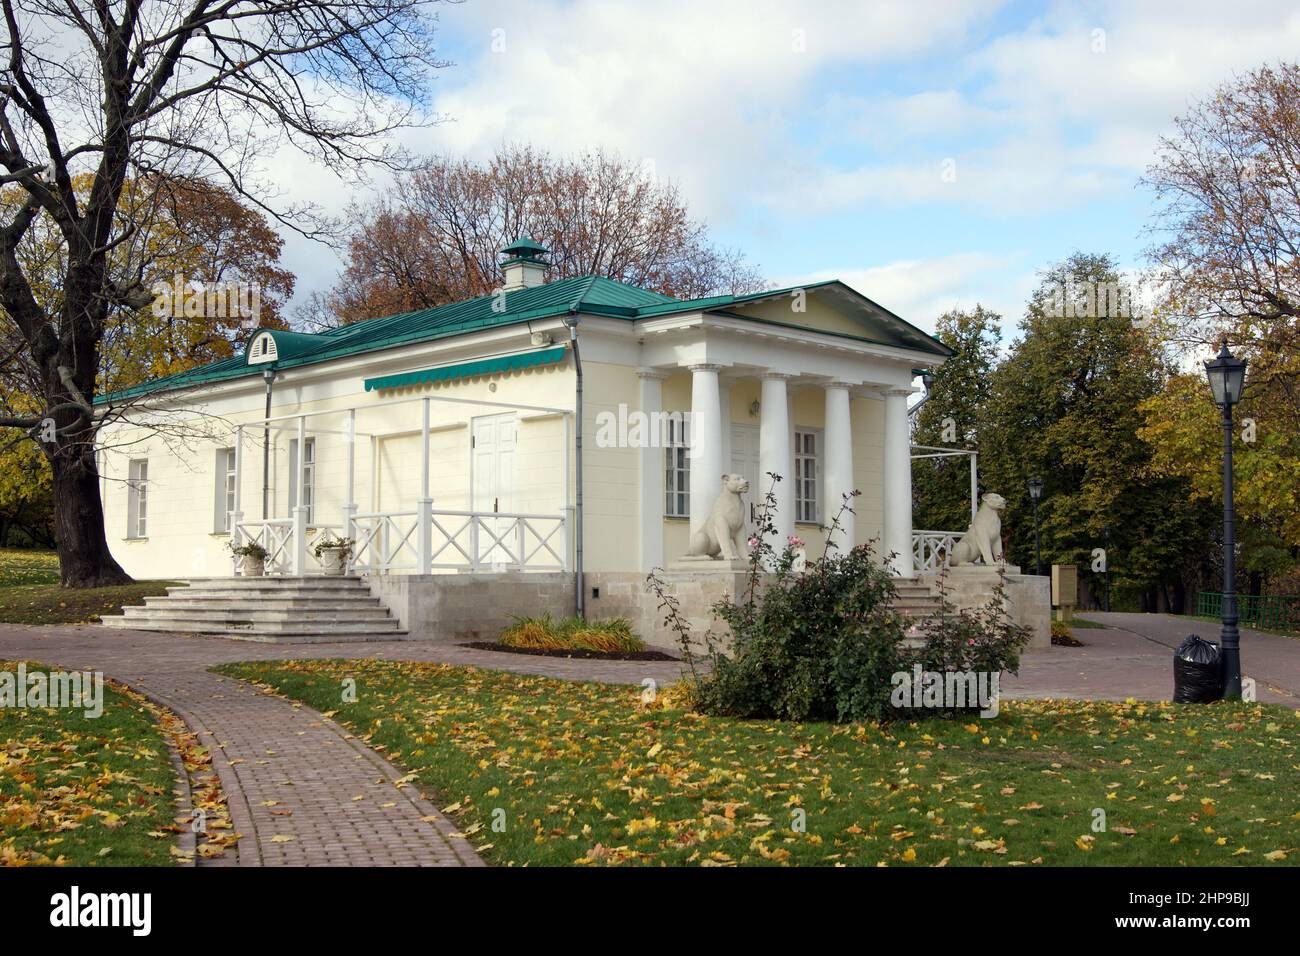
x=1281, y=612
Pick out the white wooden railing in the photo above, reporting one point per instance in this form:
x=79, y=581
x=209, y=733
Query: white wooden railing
x=930, y=550
x=459, y=541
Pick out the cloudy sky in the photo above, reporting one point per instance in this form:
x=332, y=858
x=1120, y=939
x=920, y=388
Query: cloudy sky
x=930, y=154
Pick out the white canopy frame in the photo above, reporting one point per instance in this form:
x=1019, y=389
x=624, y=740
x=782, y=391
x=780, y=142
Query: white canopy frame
x=382, y=540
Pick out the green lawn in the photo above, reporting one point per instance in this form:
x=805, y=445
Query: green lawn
x=30, y=592
x=584, y=773
x=85, y=791
x=19, y=567
x=1083, y=622
x=51, y=604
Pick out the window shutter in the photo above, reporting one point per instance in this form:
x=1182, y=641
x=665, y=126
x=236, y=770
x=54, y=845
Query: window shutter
x=219, y=493
x=132, y=501
x=293, y=475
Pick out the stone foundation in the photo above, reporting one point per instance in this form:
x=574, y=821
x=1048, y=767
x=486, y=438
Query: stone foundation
x=1027, y=597
x=477, y=607
x=470, y=607
x=624, y=594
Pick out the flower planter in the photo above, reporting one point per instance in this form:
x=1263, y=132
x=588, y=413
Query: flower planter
x=252, y=566
x=333, y=560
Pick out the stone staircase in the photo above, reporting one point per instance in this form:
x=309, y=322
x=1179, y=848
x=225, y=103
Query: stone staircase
x=272, y=610
x=916, y=598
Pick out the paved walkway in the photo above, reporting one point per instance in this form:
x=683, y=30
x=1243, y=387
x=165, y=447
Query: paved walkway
x=273, y=755
x=1133, y=657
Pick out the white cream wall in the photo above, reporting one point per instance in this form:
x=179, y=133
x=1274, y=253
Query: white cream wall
x=611, y=476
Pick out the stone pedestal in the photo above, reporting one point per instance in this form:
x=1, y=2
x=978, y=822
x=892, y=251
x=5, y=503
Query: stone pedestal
x=1028, y=597
x=702, y=563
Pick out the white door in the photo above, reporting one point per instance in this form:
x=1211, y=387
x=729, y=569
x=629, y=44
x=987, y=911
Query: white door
x=494, y=440
x=744, y=461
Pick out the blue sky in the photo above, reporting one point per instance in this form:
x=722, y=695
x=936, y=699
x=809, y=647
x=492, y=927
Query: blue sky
x=815, y=136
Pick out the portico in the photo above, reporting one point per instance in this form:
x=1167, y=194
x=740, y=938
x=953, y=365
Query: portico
x=827, y=436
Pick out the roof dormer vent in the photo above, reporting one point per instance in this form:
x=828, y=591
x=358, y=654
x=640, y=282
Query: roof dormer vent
x=523, y=266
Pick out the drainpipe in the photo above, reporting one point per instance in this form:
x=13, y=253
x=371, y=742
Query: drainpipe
x=269, y=375
x=579, y=595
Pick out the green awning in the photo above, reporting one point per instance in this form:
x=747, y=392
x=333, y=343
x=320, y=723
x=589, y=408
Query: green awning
x=447, y=373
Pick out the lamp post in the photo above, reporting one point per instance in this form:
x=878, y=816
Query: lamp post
x=1105, y=532
x=1036, y=492
x=1227, y=375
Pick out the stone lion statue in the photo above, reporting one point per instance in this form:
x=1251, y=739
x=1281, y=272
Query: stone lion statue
x=983, y=539
x=721, y=533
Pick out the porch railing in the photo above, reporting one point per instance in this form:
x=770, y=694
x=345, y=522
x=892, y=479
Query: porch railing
x=460, y=541
x=930, y=550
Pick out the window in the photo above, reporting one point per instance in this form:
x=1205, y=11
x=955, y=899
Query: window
x=225, y=490
x=308, y=477
x=807, y=468
x=137, y=498
x=677, y=466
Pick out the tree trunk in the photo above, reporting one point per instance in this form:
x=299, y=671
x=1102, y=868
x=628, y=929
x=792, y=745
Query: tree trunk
x=84, y=558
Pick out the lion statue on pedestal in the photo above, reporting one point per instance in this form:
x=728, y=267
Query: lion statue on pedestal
x=983, y=539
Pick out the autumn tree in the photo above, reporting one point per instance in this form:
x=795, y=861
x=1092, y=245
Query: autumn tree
x=1228, y=256
x=127, y=92
x=434, y=238
x=1064, y=404
x=950, y=418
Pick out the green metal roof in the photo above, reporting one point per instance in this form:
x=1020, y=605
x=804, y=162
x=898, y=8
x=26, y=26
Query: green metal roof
x=588, y=295
x=446, y=373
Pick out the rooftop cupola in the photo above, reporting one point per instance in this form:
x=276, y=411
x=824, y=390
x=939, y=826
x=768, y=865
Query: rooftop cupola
x=523, y=266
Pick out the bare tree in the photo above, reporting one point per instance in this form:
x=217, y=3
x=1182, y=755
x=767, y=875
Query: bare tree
x=169, y=90
x=435, y=237
x=1228, y=183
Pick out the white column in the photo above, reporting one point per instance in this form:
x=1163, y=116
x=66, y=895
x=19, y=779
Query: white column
x=898, y=482
x=706, y=442
x=775, y=455
x=724, y=402
x=839, y=464
x=299, y=557
x=651, y=462
x=424, y=509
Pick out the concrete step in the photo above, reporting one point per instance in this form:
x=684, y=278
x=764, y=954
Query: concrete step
x=255, y=612
x=287, y=610
x=282, y=636
x=276, y=603
x=253, y=592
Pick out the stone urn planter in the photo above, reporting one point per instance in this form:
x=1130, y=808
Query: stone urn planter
x=333, y=553
x=333, y=560
x=252, y=558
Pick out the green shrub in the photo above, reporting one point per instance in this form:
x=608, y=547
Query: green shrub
x=611, y=636
x=825, y=643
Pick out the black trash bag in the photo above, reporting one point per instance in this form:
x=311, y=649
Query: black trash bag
x=1198, y=672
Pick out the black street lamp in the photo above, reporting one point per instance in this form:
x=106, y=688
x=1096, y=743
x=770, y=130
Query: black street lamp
x=1036, y=492
x=1105, y=531
x=1227, y=376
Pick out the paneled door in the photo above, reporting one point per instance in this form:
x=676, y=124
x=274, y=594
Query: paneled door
x=494, y=441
